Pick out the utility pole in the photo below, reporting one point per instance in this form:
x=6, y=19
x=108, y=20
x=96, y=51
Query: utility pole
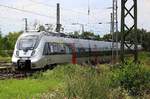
x=26, y=24
x=58, y=25
x=126, y=28
x=0, y=31
x=112, y=33
x=89, y=11
x=114, y=21
x=115, y=18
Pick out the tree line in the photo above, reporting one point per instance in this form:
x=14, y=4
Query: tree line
x=7, y=43
x=143, y=38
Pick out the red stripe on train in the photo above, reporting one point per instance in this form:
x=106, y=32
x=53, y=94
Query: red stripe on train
x=74, y=57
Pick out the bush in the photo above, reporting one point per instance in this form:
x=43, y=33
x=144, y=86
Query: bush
x=133, y=78
x=86, y=83
x=6, y=53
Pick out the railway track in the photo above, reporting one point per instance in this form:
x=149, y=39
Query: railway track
x=8, y=72
x=14, y=74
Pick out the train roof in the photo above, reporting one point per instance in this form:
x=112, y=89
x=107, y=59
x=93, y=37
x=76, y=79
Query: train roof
x=63, y=38
x=58, y=35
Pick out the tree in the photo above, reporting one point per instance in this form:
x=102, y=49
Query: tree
x=97, y=37
x=87, y=35
x=107, y=37
x=146, y=41
x=41, y=28
x=143, y=38
x=76, y=34
x=1, y=41
x=10, y=40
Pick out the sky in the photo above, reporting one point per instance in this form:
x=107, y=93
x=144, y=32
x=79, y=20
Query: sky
x=72, y=11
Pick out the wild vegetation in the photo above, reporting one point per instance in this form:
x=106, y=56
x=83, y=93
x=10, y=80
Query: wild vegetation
x=128, y=80
x=7, y=43
x=143, y=38
x=83, y=82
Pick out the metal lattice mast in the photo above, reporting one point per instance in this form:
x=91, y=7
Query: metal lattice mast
x=129, y=28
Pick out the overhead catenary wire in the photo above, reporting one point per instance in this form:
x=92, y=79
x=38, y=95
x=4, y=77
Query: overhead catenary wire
x=48, y=5
x=30, y=12
x=36, y=13
x=71, y=10
x=26, y=11
x=12, y=19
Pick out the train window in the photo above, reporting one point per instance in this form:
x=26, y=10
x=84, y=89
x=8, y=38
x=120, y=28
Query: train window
x=82, y=50
x=68, y=50
x=28, y=42
x=61, y=48
x=47, y=49
x=55, y=48
x=51, y=47
x=86, y=49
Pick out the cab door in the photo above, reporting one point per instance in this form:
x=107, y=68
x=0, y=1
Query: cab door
x=46, y=53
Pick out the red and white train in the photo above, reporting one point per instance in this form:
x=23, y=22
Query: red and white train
x=39, y=49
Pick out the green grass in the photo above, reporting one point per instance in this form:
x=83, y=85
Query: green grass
x=144, y=58
x=5, y=59
x=56, y=84
x=30, y=87
x=23, y=89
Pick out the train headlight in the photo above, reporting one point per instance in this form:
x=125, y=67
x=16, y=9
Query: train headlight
x=33, y=52
x=17, y=53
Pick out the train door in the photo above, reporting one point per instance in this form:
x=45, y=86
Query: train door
x=46, y=53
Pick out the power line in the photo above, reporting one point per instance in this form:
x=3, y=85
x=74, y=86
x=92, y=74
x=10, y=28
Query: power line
x=26, y=11
x=12, y=19
x=83, y=13
x=41, y=3
x=31, y=12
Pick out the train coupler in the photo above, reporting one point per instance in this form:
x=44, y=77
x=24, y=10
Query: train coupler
x=24, y=64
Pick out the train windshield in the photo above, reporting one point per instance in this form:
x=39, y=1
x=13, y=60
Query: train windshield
x=28, y=42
